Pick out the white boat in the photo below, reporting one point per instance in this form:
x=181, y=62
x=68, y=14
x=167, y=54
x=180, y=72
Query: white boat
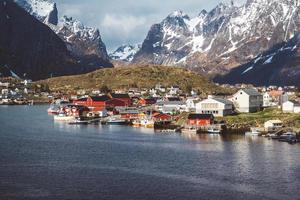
x=190, y=130
x=213, y=131
x=252, y=133
x=63, y=117
x=116, y=121
x=147, y=123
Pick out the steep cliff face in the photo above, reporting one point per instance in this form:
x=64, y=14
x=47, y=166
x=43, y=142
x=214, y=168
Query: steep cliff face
x=280, y=65
x=226, y=37
x=29, y=47
x=84, y=43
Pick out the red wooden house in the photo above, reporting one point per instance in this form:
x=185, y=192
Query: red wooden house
x=112, y=103
x=123, y=97
x=95, y=101
x=147, y=102
x=200, y=119
x=161, y=117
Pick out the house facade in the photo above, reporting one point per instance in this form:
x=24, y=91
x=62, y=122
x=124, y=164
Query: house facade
x=215, y=106
x=291, y=107
x=247, y=100
x=200, y=119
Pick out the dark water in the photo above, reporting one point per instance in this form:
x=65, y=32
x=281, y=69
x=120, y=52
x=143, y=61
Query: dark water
x=40, y=159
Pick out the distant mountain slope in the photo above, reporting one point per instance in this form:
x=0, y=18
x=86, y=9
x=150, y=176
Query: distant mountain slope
x=29, y=47
x=135, y=76
x=225, y=37
x=125, y=52
x=278, y=66
x=83, y=42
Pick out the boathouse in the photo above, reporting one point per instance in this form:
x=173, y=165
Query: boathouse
x=92, y=101
x=123, y=97
x=200, y=119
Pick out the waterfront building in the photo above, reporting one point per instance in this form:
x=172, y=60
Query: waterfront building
x=273, y=125
x=216, y=106
x=291, y=107
x=247, y=100
x=200, y=119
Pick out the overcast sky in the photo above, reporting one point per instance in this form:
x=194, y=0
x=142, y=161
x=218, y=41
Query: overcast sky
x=128, y=21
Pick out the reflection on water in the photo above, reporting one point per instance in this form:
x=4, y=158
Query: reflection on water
x=53, y=160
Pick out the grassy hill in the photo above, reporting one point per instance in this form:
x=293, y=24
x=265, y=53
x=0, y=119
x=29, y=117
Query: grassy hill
x=146, y=76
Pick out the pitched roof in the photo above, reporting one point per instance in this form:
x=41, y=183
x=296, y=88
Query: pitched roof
x=251, y=91
x=224, y=101
x=100, y=98
x=200, y=116
x=119, y=95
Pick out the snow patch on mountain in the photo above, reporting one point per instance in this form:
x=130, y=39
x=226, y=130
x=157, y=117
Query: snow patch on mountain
x=125, y=52
x=43, y=10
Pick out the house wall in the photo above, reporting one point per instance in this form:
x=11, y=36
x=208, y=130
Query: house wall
x=211, y=106
x=288, y=107
x=297, y=109
x=246, y=103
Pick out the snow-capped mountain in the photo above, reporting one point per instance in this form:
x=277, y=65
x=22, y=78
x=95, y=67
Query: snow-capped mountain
x=125, y=52
x=43, y=10
x=39, y=53
x=224, y=38
x=83, y=42
x=280, y=65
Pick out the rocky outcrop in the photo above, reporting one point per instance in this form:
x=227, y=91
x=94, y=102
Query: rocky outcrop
x=280, y=66
x=84, y=43
x=29, y=47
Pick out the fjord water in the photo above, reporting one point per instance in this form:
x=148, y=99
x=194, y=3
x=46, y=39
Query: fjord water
x=41, y=159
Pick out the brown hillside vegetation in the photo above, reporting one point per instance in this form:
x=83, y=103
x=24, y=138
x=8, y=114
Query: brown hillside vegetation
x=146, y=76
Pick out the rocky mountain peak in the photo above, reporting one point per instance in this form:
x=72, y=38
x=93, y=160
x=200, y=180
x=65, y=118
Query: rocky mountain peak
x=125, y=52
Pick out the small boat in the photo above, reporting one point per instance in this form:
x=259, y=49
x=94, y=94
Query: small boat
x=63, y=117
x=52, y=110
x=147, y=123
x=116, y=121
x=78, y=121
x=288, y=137
x=136, y=123
x=190, y=130
x=213, y=131
x=252, y=133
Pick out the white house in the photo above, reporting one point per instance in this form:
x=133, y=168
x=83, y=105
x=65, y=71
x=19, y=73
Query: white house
x=170, y=107
x=272, y=125
x=247, y=100
x=267, y=100
x=291, y=107
x=217, y=106
x=191, y=103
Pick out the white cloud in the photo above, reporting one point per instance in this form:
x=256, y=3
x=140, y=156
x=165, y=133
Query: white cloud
x=122, y=25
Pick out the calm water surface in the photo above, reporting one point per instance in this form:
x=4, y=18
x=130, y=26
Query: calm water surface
x=41, y=159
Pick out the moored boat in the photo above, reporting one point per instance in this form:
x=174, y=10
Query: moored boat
x=189, y=130
x=78, y=121
x=213, y=131
x=147, y=123
x=116, y=121
x=63, y=117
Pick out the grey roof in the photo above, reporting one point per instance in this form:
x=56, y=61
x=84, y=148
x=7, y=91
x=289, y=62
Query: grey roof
x=225, y=101
x=251, y=91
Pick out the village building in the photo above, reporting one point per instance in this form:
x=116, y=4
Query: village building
x=273, y=125
x=92, y=101
x=216, y=106
x=247, y=100
x=123, y=97
x=191, y=104
x=161, y=117
x=146, y=101
x=200, y=119
x=291, y=107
